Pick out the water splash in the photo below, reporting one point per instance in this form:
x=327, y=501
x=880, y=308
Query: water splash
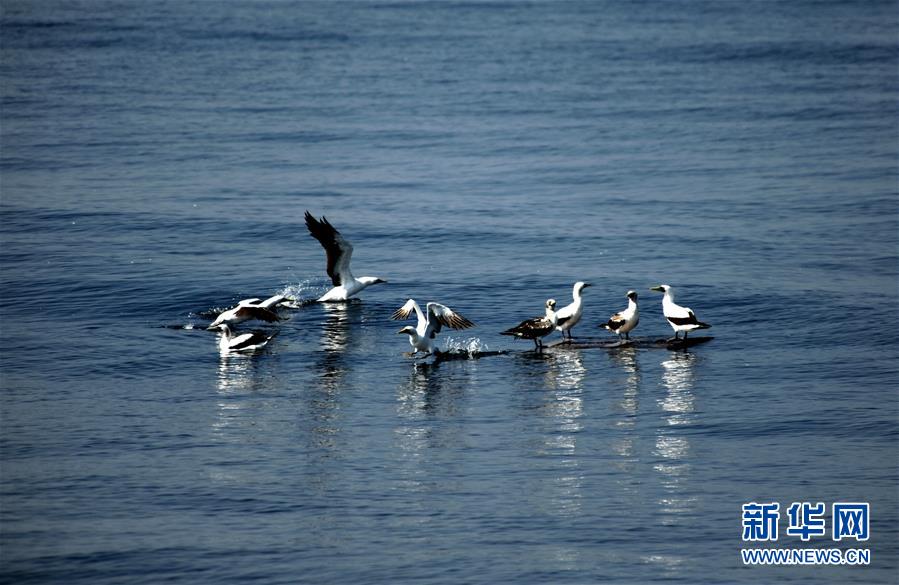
x=210, y=313
x=183, y=326
x=304, y=292
x=471, y=346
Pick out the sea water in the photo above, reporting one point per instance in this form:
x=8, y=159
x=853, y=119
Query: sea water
x=157, y=159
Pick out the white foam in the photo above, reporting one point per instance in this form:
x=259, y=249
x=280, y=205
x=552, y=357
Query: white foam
x=305, y=290
x=470, y=345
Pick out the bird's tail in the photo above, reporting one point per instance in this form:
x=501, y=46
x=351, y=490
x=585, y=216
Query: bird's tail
x=701, y=325
x=511, y=333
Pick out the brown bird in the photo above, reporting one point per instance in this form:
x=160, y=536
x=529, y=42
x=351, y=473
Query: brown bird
x=536, y=328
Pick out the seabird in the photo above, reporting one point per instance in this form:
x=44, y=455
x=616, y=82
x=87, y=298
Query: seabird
x=268, y=303
x=622, y=323
x=537, y=327
x=271, y=302
x=339, y=252
x=680, y=318
x=243, y=342
x=422, y=337
x=249, y=309
x=567, y=317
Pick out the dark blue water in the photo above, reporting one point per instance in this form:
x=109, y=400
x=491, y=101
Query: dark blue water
x=156, y=162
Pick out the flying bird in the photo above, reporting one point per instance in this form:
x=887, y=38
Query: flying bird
x=249, y=309
x=339, y=252
x=244, y=342
x=269, y=303
x=680, y=318
x=570, y=315
x=536, y=328
x=624, y=322
x=422, y=336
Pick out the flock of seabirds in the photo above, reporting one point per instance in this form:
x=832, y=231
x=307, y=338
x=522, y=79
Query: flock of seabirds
x=436, y=316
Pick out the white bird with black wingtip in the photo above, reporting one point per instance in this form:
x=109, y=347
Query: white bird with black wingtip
x=269, y=303
x=248, y=309
x=422, y=336
x=570, y=315
x=339, y=252
x=229, y=343
x=623, y=323
x=680, y=318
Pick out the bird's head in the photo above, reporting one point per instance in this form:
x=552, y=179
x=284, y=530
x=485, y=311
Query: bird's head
x=662, y=288
x=408, y=330
x=369, y=280
x=550, y=303
x=580, y=285
x=632, y=295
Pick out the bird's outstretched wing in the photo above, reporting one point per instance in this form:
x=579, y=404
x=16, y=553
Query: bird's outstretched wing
x=439, y=315
x=272, y=301
x=252, y=312
x=406, y=310
x=338, y=249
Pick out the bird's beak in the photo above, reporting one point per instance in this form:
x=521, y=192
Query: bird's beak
x=657, y=289
x=401, y=331
x=586, y=284
x=211, y=328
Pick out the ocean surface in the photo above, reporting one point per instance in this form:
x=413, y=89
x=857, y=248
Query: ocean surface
x=156, y=162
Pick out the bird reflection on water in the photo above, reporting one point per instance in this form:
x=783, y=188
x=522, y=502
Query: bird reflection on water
x=430, y=407
x=435, y=389
x=552, y=390
x=560, y=406
x=678, y=379
x=238, y=373
x=624, y=359
x=324, y=397
x=238, y=376
x=419, y=392
x=243, y=385
x=673, y=449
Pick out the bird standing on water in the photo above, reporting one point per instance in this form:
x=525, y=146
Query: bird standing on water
x=422, y=336
x=624, y=322
x=339, y=252
x=536, y=328
x=570, y=315
x=680, y=318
